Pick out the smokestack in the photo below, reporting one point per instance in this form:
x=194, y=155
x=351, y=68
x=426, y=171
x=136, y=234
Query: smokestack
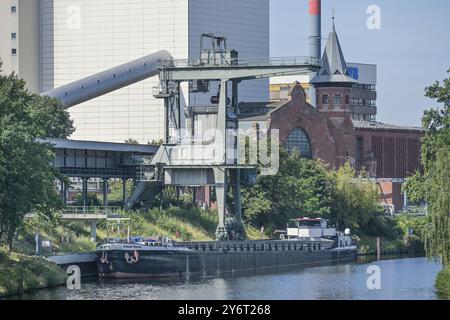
x=315, y=20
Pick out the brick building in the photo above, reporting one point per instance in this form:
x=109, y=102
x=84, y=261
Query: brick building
x=387, y=152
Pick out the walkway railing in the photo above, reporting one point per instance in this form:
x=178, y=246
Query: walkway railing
x=107, y=211
x=264, y=61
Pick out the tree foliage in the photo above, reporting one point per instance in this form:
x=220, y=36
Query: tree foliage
x=437, y=235
x=436, y=162
x=27, y=177
x=300, y=188
x=355, y=200
x=415, y=188
x=305, y=187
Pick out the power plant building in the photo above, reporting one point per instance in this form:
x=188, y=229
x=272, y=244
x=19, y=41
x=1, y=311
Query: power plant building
x=54, y=42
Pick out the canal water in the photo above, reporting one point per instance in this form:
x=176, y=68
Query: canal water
x=400, y=279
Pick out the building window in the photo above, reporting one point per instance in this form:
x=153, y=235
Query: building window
x=13, y=9
x=14, y=51
x=347, y=99
x=298, y=140
x=13, y=35
x=337, y=100
x=325, y=99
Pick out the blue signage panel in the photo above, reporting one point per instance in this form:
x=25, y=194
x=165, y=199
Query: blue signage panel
x=353, y=72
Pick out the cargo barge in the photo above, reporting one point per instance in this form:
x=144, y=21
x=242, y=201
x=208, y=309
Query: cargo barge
x=309, y=242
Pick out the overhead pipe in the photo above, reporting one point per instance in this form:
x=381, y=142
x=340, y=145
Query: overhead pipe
x=109, y=80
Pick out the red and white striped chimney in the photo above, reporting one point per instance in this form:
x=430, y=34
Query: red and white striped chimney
x=315, y=28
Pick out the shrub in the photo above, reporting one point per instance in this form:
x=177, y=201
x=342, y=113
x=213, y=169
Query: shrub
x=443, y=283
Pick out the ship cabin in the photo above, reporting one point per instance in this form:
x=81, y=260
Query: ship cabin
x=309, y=228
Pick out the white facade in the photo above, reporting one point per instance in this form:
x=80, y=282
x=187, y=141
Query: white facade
x=83, y=37
x=19, y=39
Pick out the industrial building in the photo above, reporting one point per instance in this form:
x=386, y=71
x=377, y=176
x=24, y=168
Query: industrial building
x=330, y=132
x=329, y=114
x=53, y=42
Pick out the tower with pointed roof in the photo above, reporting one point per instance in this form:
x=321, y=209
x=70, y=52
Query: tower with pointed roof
x=333, y=83
x=333, y=87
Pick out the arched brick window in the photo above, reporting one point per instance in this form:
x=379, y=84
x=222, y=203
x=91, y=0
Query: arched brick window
x=298, y=140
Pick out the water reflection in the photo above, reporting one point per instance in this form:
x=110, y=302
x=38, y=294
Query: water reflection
x=411, y=279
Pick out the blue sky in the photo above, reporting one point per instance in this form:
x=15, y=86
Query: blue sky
x=412, y=49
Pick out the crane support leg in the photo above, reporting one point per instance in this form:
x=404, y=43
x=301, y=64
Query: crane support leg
x=221, y=188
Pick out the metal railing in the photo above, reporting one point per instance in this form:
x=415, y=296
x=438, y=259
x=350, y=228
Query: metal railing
x=265, y=61
x=91, y=210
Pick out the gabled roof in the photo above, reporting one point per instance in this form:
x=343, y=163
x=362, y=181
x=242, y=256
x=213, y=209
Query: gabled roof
x=334, y=67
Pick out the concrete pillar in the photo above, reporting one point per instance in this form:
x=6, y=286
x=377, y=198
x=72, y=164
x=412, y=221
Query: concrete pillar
x=221, y=135
x=63, y=193
x=221, y=187
x=93, y=231
x=84, y=191
x=378, y=248
x=124, y=190
x=37, y=239
x=237, y=194
x=105, y=192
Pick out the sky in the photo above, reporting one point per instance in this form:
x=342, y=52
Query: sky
x=411, y=50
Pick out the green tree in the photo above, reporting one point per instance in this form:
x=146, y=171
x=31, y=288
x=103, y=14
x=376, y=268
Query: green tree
x=27, y=177
x=436, y=163
x=131, y=141
x=415, y=188
x=92, y=200
x=355, y=200
x=154, y=142
x=300, y=188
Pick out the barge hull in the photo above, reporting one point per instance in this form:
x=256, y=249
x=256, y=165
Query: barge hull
x=212, y=264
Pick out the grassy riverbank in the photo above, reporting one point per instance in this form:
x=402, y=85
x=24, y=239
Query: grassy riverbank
x=443, y=283
x=74, y=237
x=20, y=272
